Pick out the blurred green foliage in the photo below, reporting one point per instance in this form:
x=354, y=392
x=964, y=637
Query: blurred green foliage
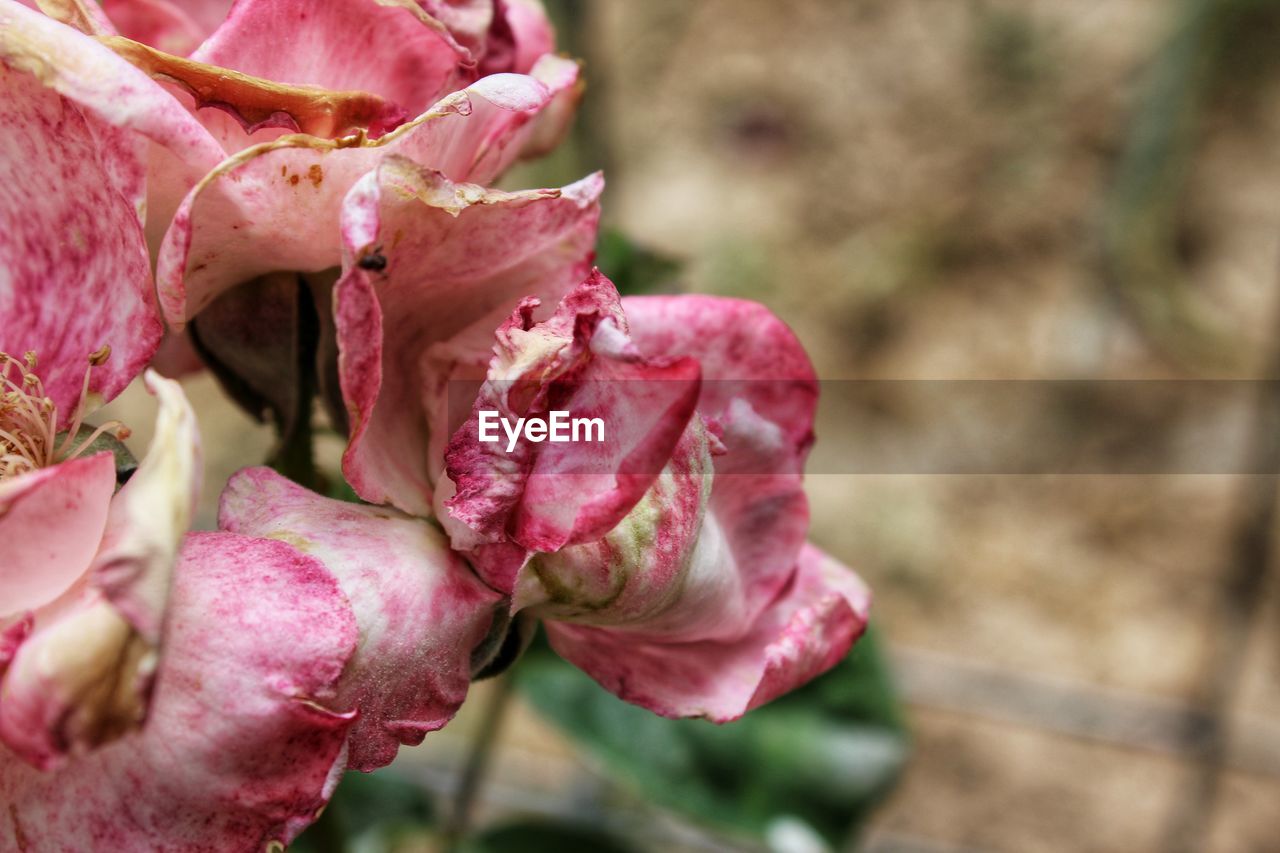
x=823, y=755
x=368, y=812
x=544, y=836
x=631, y=267
x=1215, y=48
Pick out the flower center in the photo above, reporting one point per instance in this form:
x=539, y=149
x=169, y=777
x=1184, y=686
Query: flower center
x=29, y=418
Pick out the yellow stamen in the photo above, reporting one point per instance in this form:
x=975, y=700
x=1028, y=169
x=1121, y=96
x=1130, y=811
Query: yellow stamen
x=28, y=418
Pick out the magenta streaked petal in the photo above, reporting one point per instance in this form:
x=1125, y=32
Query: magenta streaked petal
x=83, y=675
x=241, y=746
x=419, y=608
x=803, y=633
x=760, y=395
x=85, y=71
x=547, y=496
x=80, y=243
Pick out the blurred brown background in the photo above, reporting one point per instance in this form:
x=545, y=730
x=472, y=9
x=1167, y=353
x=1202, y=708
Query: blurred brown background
x=978, y=189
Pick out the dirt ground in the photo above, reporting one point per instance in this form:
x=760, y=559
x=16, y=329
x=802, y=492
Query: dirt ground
x=921, y=189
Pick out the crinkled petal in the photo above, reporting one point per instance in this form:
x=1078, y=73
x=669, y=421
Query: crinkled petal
x=277, y=206
x=645, y=571
x=241, y=747
x=548, y=495
x=421, y=612
x=79, y=680
x=375, y=46
x=51, y=521
x=803, y=633
x=427, y=260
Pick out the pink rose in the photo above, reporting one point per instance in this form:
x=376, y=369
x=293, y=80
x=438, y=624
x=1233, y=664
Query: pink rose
x=668, y=561
x=699, y=556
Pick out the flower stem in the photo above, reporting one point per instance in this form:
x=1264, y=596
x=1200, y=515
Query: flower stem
x=478, y=760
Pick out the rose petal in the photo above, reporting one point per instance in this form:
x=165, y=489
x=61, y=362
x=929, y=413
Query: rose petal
x=165, y=24
x=760, y=393
x=240, y=748
x=333, y=44
x=276, y=206
x=426, y=260
x=549, y=495
x=804, y=632
x=90, y=74
x=51, y=523
x=83, y=676
x=468, y=20
x=521, y=35
x=419, y=608
x=70, y=234
x=151, y=513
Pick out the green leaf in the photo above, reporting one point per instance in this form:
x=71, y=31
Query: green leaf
x=543, y=836
x=125, y=462
x=822, y=756
x=633, y=268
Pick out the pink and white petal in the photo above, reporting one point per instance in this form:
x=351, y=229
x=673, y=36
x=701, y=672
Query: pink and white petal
x=332, y=45
x=84, y=15
x=241, y=748
x=760, y=394
x=553, y=122
x=420, y=610
x=87, y=72
x=83, y=678
x=70, y=237
x=151, y=514
x=745, y=351
x=806, y=631
x=647, y=565
x=426, y=260
x=80, y=680
x=276, y=206
x=51, y=523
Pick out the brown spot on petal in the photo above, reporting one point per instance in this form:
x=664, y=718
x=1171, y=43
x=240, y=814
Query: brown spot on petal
x=293, y=180
x=315, y=174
